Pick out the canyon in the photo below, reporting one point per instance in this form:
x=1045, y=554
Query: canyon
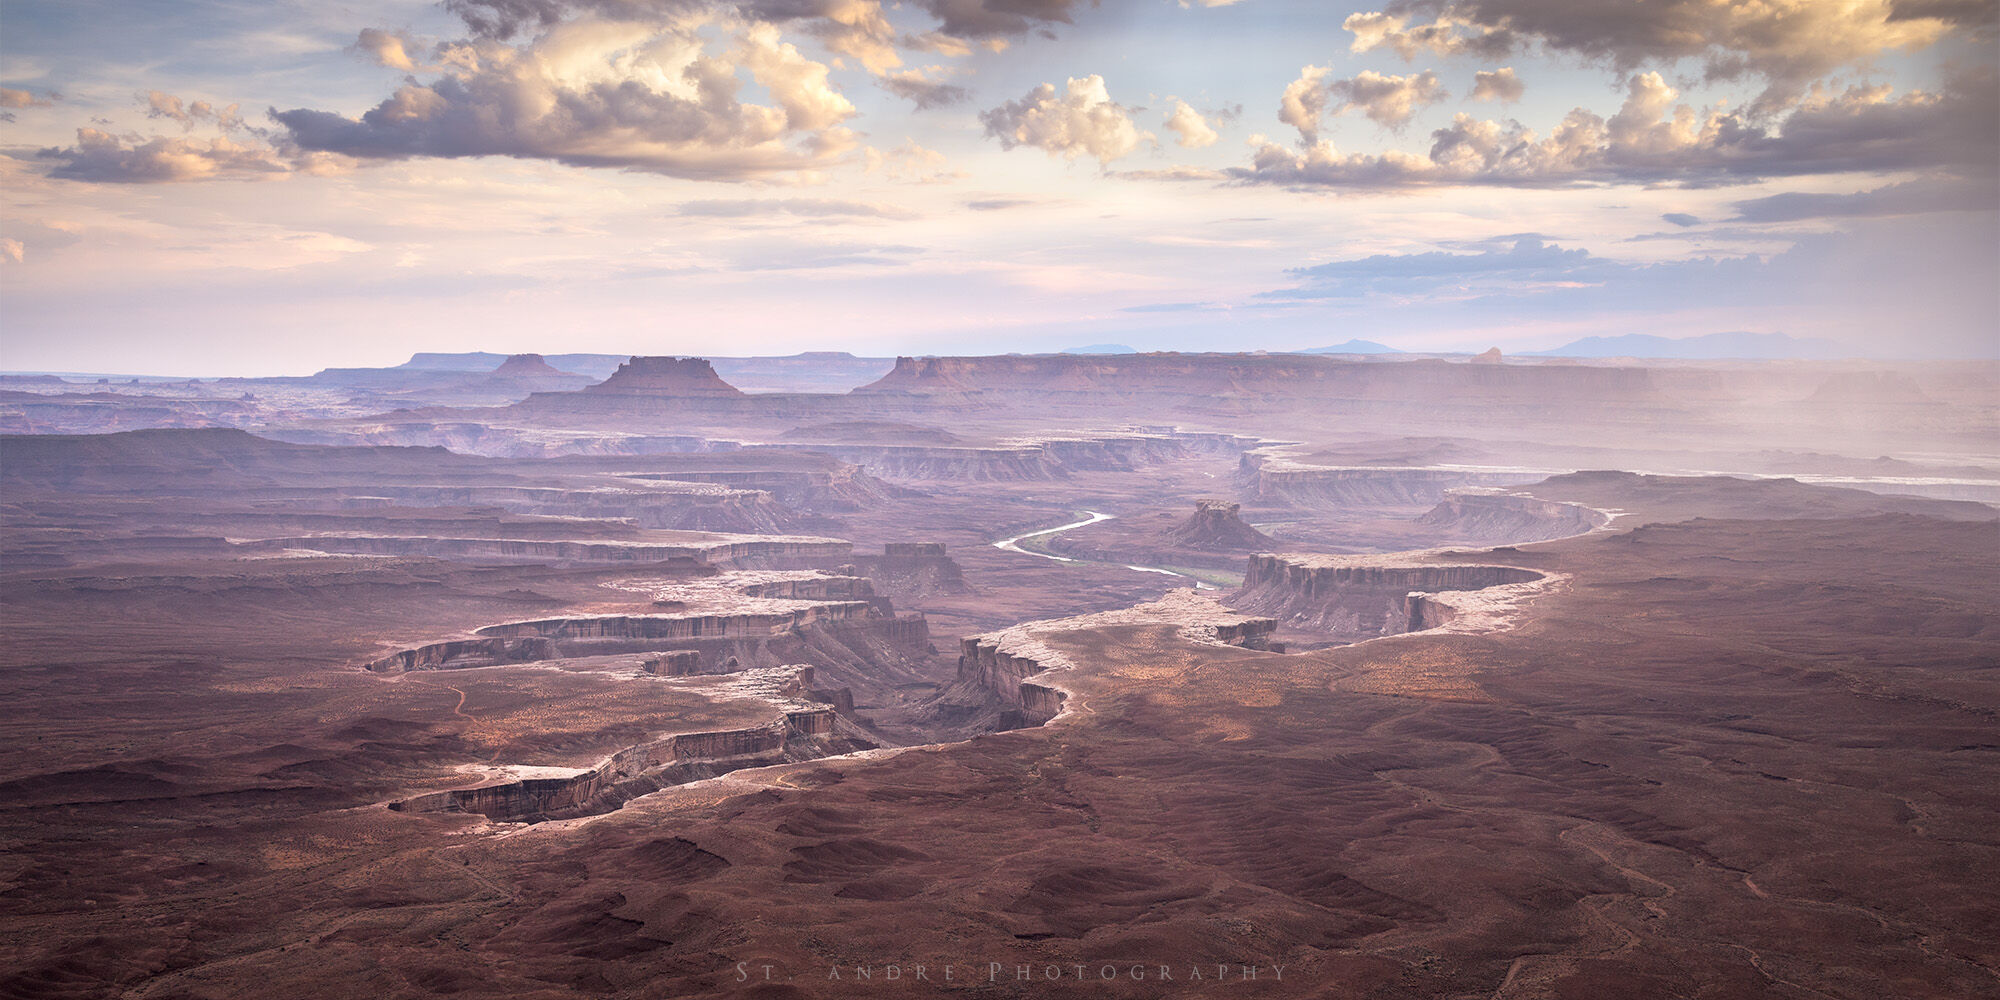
x=581, y=676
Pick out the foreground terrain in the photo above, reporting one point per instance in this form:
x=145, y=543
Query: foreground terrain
x=650, y=687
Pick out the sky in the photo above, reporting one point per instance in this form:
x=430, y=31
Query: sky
x=259, y=187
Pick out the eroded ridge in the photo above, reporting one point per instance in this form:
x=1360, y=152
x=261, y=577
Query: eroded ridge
x=743, y=618
x=802, y=728
x=1368, y=596
x=1017, y=666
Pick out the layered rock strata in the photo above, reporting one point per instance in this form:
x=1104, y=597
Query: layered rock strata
x=1362, y=597
x=800, y=730
x=740, y=620
x=1491, y=517
x=1017, y=667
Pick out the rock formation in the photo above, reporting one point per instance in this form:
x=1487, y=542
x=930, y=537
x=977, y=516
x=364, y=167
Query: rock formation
x=802, y=730
x=1495, y=518
x=1216, y=527
x=1363, y=597
x=664, y=376
x=910, y=570
x=1023, y=672
x=528, y=366
x=678, y=663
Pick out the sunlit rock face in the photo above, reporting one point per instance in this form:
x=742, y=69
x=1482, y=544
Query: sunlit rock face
x=1362, y=597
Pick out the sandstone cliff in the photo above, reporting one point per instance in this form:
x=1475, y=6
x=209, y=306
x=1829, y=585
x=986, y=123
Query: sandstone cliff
x=800, y=730
x=1363, y=597
x=1495, y=518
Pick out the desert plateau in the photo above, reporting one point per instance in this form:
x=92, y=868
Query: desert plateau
x=1075, y=499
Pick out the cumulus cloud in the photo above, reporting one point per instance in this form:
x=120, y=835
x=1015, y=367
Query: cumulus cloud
x=1497, y=85
x=1193, y=129
x=386, y=48
x=13, y=98
x=1080, y=120
x=1681, y=219
x=644, y=96
x=102, y=157
x=168, y=106
x=1388, y=101
x=1653, y=140
x=1303, y=105
x=854, y=28
x=1789, y=43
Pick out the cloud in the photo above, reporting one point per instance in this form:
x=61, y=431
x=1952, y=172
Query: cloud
x=1388, y=101
x=163, y=105
x=924, y=92
x=1681, y=219
x=1789, y=43
x=638, y=96
x=13, y=98
x=999, y=204
x=105, y=158
x=855, y=28
x=990, y=18
x=1193, y=129
x=1303, y=105
x=804, y=208
x=1512, y=261
x=1651, y=140
x=1907, y=198
x=503, y=19
x=387, y=48
x=1497, y=85
x=37, y=239
x=1080, y=120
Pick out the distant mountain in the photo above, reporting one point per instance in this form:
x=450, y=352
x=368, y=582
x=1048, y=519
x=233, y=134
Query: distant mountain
x=1352, y=347
x=1098, y=349
x=1735, y=344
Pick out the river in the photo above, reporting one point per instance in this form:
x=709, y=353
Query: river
x=1091, y=517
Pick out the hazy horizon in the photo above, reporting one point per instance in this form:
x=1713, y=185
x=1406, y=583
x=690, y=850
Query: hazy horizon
x=280, y=188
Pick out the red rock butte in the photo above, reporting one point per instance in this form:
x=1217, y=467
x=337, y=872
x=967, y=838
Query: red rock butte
x=662, y=376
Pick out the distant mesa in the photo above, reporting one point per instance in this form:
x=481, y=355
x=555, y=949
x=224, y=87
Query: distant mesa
x=528, y=366
x=661, y=376
x=1099, y=349
x=1352, y=347
x=1491, y=356
x=1217, y=526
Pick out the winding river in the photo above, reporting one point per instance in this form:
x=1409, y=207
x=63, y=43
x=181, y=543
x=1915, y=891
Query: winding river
x=1092, y=517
